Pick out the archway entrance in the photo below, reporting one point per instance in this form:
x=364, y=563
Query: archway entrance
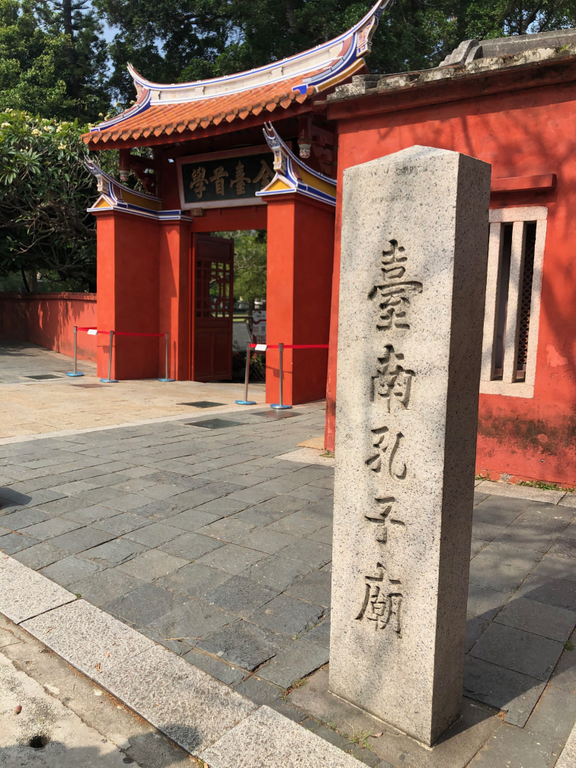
x=212, y=307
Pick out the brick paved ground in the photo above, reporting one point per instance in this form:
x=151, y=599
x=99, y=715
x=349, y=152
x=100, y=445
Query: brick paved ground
x=206, y=541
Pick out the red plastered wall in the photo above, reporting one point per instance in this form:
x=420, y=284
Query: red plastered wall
x=524, y=132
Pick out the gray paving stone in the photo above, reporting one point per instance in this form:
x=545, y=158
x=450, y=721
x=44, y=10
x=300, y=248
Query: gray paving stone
x=297, y=524
x=474, y=629
x=120, y=524
x=325, y=535
x=242, y=644
x=564, y=547
x=538, y=618
x=43, y=497
x=311, y=493
x=144, y=604
x=81, y=539
x=192, y=520
x=476, y=546
x=287, y=616
x=75, y=488
x=101, y=495
x=277, y=573
x=151, y=565
x=564, y=675
x=499, y=512
x=222, y=507
x=193, y=580
x=267, y=739
x=105, y=586
x=190, y=546
x=313, y=553
x=114, y=552
x=520, y=651
x=231, y=558
x=39, y=555
x=227, y=673
x=161, y=491
x=263, y=692
x=485, y=601
x=69, y=570
x=513, y=748
x=228, y=529
x=266, y=540
x=239, y=595
x=554, y=715
x=89, y=514
x=511, y=691
x=25, y=593
x=257, y=493
x=502, y=566
x=159, y=510
x=320, y=633
x=191, y=621
x=559, y=592
x=182, y=701
x=24, y=518
x=296, y=661
x=15, y=542
x=49, y=529
x=486, y=531
x=154, y=535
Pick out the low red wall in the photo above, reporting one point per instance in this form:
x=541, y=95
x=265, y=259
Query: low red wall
x=48, y=319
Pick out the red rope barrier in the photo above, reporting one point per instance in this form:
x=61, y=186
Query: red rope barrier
x=124, y=333
x=292, y=346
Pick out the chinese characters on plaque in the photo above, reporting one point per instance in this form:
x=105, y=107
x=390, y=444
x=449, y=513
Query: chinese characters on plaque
x=225, y=179
x=391, y=388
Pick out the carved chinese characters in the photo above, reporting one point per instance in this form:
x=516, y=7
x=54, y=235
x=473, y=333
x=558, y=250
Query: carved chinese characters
x=224, y=179
x=413, y=260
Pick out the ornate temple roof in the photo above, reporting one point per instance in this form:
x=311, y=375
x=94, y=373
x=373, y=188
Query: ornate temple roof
x=175, y=111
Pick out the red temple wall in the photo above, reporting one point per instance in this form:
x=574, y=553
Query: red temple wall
x=49, y=319
x=521, y=133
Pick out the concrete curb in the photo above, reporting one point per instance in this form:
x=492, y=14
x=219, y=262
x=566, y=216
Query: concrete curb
x=568, y=757
x=562, y=498
x=199, y=713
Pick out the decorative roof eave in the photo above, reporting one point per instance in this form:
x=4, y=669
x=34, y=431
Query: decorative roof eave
x=312, y=70
x=293, y=176
x=117, y=197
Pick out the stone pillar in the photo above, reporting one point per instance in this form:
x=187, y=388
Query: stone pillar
x=414, y=252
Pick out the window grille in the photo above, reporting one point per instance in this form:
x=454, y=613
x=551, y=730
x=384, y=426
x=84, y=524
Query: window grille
x=511, y=319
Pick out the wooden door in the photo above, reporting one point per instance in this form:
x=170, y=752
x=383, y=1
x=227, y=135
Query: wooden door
x=212, y=299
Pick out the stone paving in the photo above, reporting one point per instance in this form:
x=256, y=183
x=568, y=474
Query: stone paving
x=206, y=539
x=38, y=397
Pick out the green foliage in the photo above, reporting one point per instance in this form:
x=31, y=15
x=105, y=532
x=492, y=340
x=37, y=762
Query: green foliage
x=249, y=264
x=52, y=60
x=45, y=189
x=181, y=40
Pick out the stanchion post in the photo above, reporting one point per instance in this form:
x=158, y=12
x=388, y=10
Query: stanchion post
x=110, y=380
x=280, y=406
x=246, y=380
x=75, y=371
x=167, y=375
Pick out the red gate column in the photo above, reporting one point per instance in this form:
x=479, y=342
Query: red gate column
x=299, y=283
x=174, y=296
x=127, y=279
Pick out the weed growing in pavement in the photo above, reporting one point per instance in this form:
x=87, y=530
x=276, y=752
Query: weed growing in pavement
x=547, y=486
x=568, y=646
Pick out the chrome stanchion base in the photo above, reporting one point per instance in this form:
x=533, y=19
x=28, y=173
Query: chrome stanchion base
x=74, y=374
x=166, y=379
x=278, y=407
x=245, y=402
x=109, y=381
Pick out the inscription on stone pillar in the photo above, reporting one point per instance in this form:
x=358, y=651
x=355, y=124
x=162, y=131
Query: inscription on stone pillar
x=414, y=249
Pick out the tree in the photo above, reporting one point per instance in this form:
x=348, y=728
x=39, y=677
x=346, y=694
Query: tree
x=180, y=40
x=249, y=265
x=45, y=189
x=52, y=62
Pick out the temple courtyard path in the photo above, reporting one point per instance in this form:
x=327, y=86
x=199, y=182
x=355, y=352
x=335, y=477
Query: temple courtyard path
x=196, y=553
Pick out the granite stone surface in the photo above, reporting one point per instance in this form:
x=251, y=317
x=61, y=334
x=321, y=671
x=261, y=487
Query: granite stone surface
x=182, y=701
x=25, y=593
x=414, y=250
x=267, y=739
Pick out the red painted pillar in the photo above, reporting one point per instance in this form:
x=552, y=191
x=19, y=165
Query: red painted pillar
x=174, y=296
x=300, y=256
x=127, y=278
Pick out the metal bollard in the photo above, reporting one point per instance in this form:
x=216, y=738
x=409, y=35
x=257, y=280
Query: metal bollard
x=167, y=377
x=246, y=380
x=110, y=380
x=280, y=406
x=75, y=372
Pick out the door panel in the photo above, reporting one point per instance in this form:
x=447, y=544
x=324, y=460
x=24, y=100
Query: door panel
x=212, y=299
